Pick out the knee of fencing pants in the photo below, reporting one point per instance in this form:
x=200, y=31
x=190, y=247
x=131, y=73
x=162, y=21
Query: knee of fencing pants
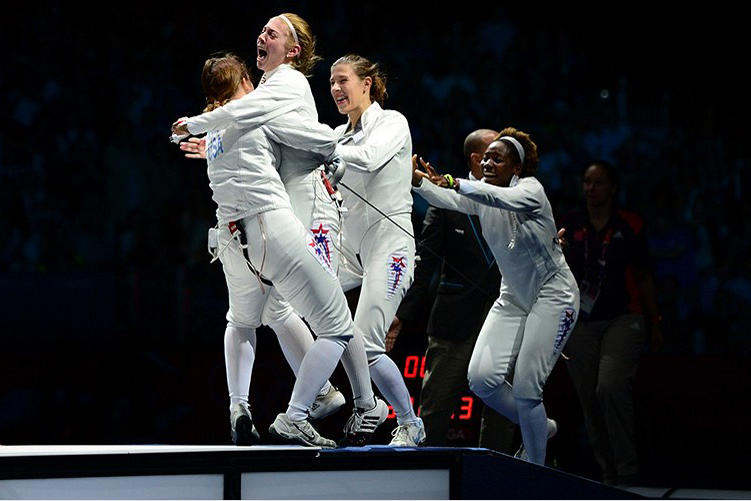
x=276, y=310
x=374, y=349
x=237, y=317
x=483, y=380
x=526, y=388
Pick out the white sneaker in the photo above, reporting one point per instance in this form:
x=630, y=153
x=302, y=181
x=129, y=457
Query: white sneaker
x=298, y=432
x=326, y=404
x=362, y=424
x=552, y=430
x=241, y=423
x=408, y=435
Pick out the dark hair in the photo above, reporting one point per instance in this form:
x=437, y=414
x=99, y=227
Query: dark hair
x=531, y=158
x=609, y=169
x=365, y=68
x=221, y=76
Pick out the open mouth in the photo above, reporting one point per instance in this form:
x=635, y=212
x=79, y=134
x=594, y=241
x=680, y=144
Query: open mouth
x=262, y=54
x=341, y=101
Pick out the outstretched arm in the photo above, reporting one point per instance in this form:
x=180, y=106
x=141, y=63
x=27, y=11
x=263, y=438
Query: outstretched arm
x=385, y=141
x=524, y=197
x=275, y=98
x=302, y=132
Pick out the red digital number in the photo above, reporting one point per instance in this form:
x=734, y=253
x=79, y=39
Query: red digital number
x=466, y=408
x=413, y=365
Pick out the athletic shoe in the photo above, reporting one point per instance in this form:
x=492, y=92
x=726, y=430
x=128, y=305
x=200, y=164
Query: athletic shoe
x=243, y=430
x=362, y=424
x=326, y=404
x=298, y=432
x=552, y=430
x=411, y=434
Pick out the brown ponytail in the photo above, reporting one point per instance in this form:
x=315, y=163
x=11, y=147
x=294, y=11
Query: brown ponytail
x=365, y=68
x=221, y=77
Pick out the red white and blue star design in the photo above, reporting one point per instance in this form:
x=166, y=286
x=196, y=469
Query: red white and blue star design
x=565, y=325
x=397, y=268
x=320, y=245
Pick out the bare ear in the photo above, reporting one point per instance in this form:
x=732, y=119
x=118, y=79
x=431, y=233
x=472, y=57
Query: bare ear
x=367, y=82
x=294, y=52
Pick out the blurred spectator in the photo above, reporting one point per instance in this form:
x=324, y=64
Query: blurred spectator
x=607, y=251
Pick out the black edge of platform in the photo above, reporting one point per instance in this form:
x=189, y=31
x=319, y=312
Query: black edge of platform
x=519, y=479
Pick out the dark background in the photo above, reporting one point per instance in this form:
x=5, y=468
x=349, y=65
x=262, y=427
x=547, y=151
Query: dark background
x=111, y=318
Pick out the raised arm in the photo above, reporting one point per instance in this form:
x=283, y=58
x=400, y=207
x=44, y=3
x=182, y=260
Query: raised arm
x=385, y=141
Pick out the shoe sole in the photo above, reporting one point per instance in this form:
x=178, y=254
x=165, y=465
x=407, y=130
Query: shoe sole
x=356, y=440
x=244, y=432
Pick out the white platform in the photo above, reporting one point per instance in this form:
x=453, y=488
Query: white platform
x=280, y=472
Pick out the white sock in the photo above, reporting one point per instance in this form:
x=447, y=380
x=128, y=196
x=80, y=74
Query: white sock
x=388, y=379
x=295, y=339
x=355, y=363
x=239, y=355
x=317, y=366
x=533, y=421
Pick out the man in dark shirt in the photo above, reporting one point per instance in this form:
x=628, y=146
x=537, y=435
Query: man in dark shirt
x=607, y=251
x=469, y=284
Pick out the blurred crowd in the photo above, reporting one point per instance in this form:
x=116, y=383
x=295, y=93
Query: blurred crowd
x=90, y=184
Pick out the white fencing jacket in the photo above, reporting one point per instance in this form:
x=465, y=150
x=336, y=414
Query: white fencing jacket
x=517, y=223
x=284, y=105
x=242, y=173
x=378, y=155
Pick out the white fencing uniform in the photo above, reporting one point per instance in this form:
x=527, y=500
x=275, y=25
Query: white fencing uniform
x=285, y=107
x=284, y=104
x=539, y=300
x=376, y=254
x=379, y=255
x=247, y=189
x=529, y=324
x=243, y=176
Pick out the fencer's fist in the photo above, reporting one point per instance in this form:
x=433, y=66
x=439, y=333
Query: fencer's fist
x=180, y=127
x=335, y=168
x=560, y=237
x=393, y=333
